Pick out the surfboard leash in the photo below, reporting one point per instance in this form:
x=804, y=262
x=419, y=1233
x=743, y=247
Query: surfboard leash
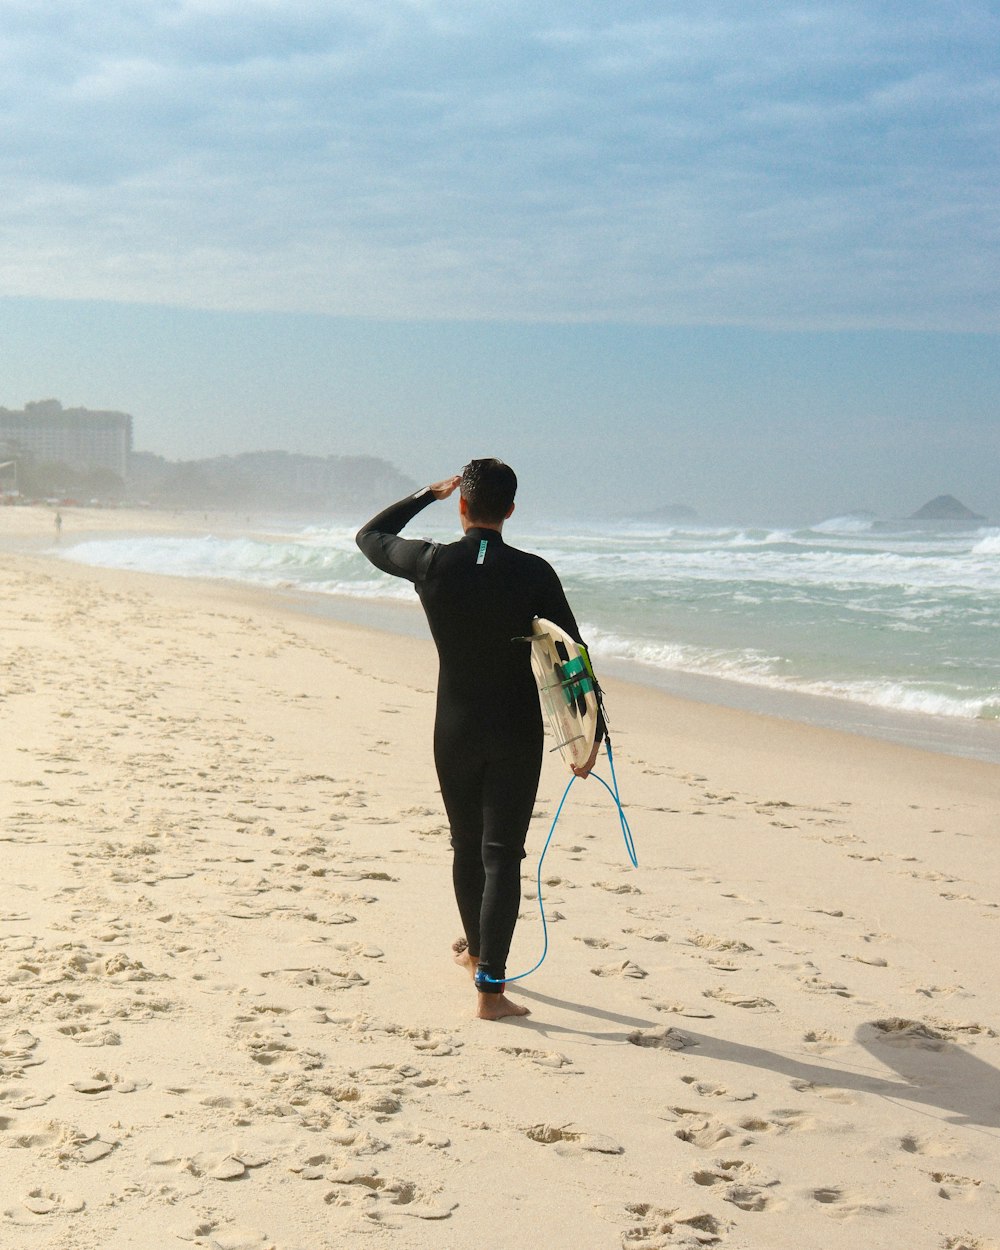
x=482, y=978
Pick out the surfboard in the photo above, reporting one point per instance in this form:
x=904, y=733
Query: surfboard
x=567, y=690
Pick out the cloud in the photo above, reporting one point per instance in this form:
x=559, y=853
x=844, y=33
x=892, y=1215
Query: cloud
x=822, y=164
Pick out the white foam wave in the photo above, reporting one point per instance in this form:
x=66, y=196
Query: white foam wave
x=319, y=567
x=781, y=562
x=741, y=666
x=988, y=546
x=850, y=523
x=756, y=668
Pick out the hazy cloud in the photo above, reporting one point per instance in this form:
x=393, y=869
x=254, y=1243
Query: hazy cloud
x=810, y=164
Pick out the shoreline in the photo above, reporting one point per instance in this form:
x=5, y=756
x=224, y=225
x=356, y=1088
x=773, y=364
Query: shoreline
x=945, y=735
x=659, y=709
x=941, y=735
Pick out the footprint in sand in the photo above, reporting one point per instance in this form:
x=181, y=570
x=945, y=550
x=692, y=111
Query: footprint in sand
x=841, y=1205
x=39, y=1206
x=377, y=1194
x=570, y=1140
x=819, y=985
x=311, y=1167
x=930, y=1147
x=543, y=1058
x=17, y=1053
x=898, y=1031
x=970, y=1028
x=415, y=1137
x=938, y=991
x=601, y=943
x=827, y=1195
x=655, y=1228
x=109, y=1082
x=625, y=969
x=322, y=978
x=963, y=1188
x=829, y=1092
x=23, y=1100
x=54, y=1138
x=681, y=1009
x=821, y=1040
x=226, y=1166
x=228, y=1237
x=434, y=1043
x=359, y=948
x=783, y=1120
x=273, y=1052
x=739, y=1183
x=700, y=1130
x=86, y=1035
x=661, y=1039
x=748, y=1002
x=707, y=1089
x=396, y=1076
x=708, y=941
x=645, y=913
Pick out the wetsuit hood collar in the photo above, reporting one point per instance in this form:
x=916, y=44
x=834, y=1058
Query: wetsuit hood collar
x=483, y=533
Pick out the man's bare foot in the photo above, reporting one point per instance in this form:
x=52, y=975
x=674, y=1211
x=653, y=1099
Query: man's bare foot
x=498, y=1006
x=462, y=957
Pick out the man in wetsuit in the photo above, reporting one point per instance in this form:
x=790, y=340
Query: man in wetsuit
x=480, y=597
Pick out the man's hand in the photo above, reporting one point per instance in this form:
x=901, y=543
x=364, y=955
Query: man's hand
x=441, y=490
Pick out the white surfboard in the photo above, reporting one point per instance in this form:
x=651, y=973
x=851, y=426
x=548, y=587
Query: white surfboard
x=567, y=689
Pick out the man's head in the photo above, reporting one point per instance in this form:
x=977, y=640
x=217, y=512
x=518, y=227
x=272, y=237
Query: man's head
x=488, y=488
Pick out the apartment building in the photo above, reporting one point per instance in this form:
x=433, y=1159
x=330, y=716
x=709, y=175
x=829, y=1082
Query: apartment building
x=76, y=437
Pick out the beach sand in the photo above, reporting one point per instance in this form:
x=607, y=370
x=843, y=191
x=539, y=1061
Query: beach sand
x=229, y=1015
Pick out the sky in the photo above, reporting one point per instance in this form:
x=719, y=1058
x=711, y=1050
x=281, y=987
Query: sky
x=740, y=256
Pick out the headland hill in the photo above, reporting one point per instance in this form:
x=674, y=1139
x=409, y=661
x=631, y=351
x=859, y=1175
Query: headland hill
x=78, y=456
x=85, y=457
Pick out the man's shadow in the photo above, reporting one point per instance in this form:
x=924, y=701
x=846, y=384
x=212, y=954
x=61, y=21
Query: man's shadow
x=930, y=1069
x=933, y=1072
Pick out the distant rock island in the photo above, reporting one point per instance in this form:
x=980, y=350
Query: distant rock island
x=945, y=508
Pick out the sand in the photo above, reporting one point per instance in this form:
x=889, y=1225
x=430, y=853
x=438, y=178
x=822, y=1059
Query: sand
x=229, y=1016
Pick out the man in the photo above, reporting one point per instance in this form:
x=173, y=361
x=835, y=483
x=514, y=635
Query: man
x=480, y=597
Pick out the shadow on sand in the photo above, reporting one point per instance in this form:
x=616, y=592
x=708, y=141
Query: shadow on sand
x=931, y=1069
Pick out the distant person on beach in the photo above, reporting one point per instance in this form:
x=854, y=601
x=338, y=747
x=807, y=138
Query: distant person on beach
x=480, y=597
x=58, y=526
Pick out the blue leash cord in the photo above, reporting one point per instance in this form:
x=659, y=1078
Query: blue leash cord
x=626, y=834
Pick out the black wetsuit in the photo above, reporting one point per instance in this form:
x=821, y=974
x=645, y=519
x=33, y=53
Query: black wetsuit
x=480, y=597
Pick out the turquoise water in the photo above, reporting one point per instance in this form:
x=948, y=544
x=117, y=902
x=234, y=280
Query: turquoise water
x=902, y=617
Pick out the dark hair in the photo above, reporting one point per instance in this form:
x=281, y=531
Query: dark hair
x=488, y=488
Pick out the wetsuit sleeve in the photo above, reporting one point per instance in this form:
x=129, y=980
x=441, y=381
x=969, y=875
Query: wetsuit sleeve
x=402, y=557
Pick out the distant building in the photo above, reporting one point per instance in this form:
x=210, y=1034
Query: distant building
x=76, y=437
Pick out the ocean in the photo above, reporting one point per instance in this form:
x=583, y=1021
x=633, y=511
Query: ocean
x=889, y=629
